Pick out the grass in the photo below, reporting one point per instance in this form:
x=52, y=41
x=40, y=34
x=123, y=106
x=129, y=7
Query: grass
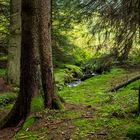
x=115, y=111
x=95, y=114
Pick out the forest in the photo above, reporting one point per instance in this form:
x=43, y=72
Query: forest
x=69, y=69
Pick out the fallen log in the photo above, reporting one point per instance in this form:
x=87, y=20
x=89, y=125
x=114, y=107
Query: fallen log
x=124, y=84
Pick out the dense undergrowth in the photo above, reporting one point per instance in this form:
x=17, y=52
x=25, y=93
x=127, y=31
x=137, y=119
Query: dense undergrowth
x=90, y=112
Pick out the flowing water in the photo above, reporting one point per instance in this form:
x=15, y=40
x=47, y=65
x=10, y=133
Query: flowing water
x=78, y=81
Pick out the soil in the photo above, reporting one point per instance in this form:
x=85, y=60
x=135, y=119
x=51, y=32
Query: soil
x=8, y=133
x=57, y=129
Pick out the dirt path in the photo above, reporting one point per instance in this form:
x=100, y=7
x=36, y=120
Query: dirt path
x=49, y=126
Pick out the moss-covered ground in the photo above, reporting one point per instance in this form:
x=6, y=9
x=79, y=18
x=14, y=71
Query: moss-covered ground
x=90, y=112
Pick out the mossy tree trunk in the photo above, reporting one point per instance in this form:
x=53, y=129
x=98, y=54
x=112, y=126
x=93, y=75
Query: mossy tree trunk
x=28, y=84
x=14, y=42
x=44, y=16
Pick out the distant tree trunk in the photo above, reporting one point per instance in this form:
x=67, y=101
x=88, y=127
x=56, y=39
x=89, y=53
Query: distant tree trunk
x=126, y=50
x=14, y=42
x=28, y=85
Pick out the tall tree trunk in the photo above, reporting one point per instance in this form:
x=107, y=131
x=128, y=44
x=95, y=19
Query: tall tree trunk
x=28, y=85
x=14, y=42
x=45, y=51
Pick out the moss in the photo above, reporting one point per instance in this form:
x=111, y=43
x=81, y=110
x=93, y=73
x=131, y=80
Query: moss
x=26, y=135
x=2, y=72
x=113, y=114
x=7, y=98
x=37, y=104
x=57, y=104
x=134, y=133
x=28, y=122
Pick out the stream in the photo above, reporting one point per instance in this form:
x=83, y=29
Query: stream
x=79, y=80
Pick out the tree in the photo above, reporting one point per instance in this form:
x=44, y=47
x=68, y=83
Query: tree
x=44, y=28
x=14, y=43
x=45, y=51
x=119, y=19
x=28, y=85
x=36, y=28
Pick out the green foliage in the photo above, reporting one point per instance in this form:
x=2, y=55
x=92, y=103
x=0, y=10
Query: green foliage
x=111, y=115
x=7, y=98
x=25, y=135
x=2, y=72
x=65, y=50
x=37, y=104
x=72, y=71
x=57, y=103
x=112, y=22
x=62, y=49
x=66, y=74
x=68, y=43
x=4, y=20
x=29, y=121
x=134, y=133
x=114, y=111
x=3, y=58
x=134, y=56
x=59, y=78
x=83, y=127
x=99, y=64
x=88, y=87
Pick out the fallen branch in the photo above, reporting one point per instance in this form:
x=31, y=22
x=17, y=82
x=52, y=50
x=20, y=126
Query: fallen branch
x=124, y=84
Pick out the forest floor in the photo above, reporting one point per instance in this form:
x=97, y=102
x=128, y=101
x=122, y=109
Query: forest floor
x=90, y=112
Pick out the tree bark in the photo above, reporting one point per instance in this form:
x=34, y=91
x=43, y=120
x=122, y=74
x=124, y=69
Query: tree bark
x=137, y=77
x=13, y=73
x=46, y=51
x=28, y=84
